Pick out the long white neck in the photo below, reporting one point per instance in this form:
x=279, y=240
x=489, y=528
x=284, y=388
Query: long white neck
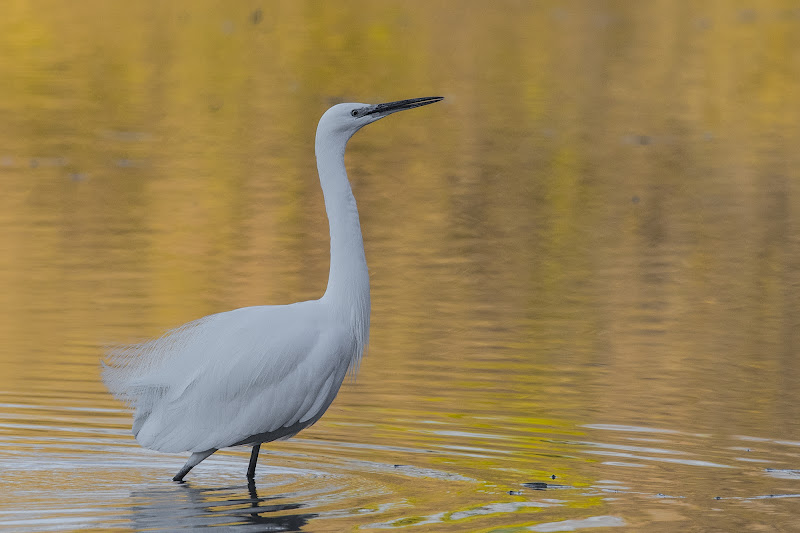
x=348, y=280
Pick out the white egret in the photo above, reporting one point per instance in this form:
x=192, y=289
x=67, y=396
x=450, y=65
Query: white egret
x=258, y=374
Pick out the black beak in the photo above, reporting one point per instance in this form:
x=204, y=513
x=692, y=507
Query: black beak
x=402, y=105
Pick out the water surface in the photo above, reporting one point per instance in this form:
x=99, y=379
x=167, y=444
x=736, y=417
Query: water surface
x=585, y=263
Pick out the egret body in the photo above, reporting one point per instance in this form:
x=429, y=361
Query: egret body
x=258, y=374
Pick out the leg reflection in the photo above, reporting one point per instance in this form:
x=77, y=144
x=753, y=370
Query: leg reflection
x=205, y=507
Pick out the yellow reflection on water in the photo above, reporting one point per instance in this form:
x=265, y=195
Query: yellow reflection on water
x=598, y=225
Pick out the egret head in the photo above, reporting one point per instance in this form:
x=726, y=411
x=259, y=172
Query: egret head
x=346, y=119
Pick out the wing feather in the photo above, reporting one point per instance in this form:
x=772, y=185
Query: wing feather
x=217, y=381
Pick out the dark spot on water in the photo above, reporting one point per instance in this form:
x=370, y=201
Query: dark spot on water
x=637, y=138
x=703, y=23
x=536, y=485
x=747, y=16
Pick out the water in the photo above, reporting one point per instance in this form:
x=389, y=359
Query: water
x=585, y=262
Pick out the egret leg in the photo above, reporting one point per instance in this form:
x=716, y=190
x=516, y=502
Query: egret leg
x=193, y=461
x=251, y=470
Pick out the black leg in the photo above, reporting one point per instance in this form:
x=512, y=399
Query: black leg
x=251, y=470
x=192, y=462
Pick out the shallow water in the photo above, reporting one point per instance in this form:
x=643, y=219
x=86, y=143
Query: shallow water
x=585, y=263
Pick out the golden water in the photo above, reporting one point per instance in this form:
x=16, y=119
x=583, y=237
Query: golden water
x=585, y=262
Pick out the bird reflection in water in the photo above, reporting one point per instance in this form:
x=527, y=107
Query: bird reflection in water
x=185, y=506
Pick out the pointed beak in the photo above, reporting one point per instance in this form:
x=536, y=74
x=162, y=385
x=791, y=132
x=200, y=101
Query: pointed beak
x=401, y=105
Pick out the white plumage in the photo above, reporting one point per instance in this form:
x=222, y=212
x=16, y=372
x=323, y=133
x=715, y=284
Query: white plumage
x=258, y=374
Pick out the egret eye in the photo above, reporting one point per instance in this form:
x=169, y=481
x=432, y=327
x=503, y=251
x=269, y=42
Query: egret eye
x=354, y=112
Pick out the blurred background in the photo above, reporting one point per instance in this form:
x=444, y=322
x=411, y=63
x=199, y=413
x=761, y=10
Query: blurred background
x=585, y=262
